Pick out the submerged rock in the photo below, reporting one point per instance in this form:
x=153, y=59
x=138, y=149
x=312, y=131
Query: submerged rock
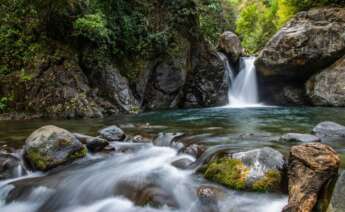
x=255, y=170
x=230, y=44
x=298, y=137
x=183, y=163
x=10, y=166
x=328, y=87
x=208, y=198
x=112, y=133
x=94, y=144
x=329, y=129
x=50, y=146
x=337, y=203
x=310, y=167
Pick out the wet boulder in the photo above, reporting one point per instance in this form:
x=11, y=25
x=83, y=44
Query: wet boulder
x=196, y=150
x=328, y=87
x=230, y=44
x=183, y=163
x=256, y=170
x=298, y=137
x=112, y=133
x=93, y=144
x=10, y=166
x=311, y=167
x=337, y=203
x=329, y=129
x=50, y=146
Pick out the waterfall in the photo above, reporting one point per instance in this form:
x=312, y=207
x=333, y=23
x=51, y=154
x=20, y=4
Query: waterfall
x=243, y=91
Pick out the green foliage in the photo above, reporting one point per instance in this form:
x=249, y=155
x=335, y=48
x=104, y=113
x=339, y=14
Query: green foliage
x=4, y=103
x=92, y=27
x=18, y=35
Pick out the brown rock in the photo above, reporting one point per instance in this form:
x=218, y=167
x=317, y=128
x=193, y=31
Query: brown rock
x=311, y=166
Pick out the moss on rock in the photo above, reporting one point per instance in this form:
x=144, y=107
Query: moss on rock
x=270, y=182
x=229, y=172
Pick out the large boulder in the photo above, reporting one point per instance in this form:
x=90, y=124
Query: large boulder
x=310, y=42
x=255, y=170
x=329, y=129
x=311, y=167
x=337, y=203
x=50, y=146
x=328, y=87
x=230, y=44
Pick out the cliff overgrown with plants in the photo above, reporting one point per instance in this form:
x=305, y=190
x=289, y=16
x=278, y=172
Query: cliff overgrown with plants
x=126, y=32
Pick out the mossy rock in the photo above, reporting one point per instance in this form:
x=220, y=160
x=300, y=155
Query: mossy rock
x=229, y=172
x=51, y=146
x=271, y=181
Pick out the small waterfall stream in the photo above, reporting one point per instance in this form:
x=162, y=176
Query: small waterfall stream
x=243, y=91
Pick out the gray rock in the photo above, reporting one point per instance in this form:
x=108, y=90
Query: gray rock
x=329, y=129
x=328, y=87
x=164, y=82
x=298, y=137
x=182, y=163
x=260, y=161
x=93, y=144
x=50, y=146
x=230, y=44
x=337, y=203
x=196, y=150
x=112, y=133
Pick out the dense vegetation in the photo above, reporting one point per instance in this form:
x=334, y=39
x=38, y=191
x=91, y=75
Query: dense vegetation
x=126, y=29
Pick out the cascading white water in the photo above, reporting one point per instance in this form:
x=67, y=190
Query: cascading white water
x=243, y=91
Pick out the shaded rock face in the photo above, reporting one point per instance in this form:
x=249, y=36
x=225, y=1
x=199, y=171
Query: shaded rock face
x=298, y=137
x=328, y=87
x=337, y=203
x=310, y=167
x=112, y=133
x=10, y=166
x=208, y=81
x=255, y=170
x=329, y=129
x=230, y=44
x=309, y=43
x=163, y=83
x=110, y=84
x=50, y=146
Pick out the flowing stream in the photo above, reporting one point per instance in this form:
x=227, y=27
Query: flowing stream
x=123, y=181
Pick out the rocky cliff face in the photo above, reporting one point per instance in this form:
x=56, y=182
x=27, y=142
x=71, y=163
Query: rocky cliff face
x=75, y=79
x=309, y=43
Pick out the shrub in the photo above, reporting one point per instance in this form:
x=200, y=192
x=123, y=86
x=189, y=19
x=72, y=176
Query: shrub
x=92, y=27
